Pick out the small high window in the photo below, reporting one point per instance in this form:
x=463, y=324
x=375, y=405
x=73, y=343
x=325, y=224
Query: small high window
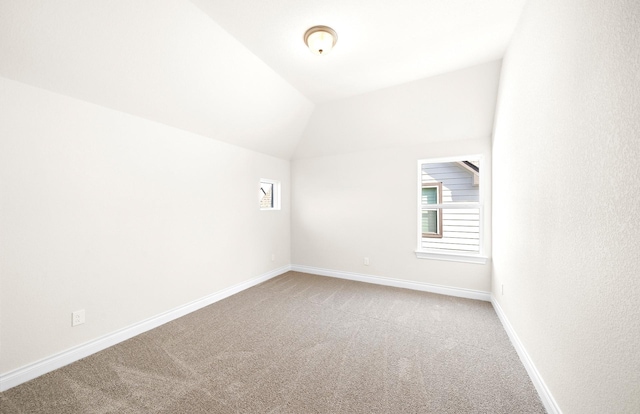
x=269, y=194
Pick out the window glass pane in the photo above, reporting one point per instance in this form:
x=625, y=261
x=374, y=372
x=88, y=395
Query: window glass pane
x=430, y=195
x=460, y=180
x=450, y=213
x=461, y=231
x=430, y=221
x=266, y=195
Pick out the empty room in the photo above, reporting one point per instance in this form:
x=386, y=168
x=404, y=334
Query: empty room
x=418, y=206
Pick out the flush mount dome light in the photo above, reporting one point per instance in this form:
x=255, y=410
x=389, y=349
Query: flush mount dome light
x=320, y=39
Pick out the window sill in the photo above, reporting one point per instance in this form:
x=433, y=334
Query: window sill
x=452, y=257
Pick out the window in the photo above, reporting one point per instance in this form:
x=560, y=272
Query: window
x=450, y=209
x=431, y=217
x=269, y=194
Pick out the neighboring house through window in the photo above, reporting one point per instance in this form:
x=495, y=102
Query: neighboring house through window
x=431, y=217
x=450, y=209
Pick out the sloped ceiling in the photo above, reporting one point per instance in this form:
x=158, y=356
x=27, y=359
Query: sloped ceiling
x=164, y=60
x=381, y=43
x=454, y=106
x=238, y=71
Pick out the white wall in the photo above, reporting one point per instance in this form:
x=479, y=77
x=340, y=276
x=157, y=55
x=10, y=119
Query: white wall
x=350, y=206
x=354, y=197
x=566, y=222
x=120, y=216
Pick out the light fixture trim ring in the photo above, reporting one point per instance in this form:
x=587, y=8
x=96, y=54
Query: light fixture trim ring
x=315, y=29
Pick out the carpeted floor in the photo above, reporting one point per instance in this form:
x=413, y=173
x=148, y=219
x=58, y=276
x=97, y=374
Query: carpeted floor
x=301, y=344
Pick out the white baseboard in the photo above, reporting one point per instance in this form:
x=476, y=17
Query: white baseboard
x=38, y=368
x=543, y=391
x=406, y=284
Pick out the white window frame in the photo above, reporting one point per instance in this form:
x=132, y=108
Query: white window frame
x=275, y=197
x=435, y=254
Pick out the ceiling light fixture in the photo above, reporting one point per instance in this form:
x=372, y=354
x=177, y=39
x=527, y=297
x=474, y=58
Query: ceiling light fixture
x=320, y=39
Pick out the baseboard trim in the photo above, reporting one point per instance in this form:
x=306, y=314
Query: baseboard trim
x=406, y=284
x=43, y=366
x=543, y=391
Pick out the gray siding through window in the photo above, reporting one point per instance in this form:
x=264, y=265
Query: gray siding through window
x=461, y=227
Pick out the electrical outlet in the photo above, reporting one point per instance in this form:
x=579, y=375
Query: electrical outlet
x=77, y=318
x=502, y=289
x=273, y=257
x=366, y=261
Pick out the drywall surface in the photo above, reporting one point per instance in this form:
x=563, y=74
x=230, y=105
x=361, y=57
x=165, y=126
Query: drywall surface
x=566, y=222
x=354, y=175
x=451, y=107
x=364, y=204
x=120, y=216
x=164, y=60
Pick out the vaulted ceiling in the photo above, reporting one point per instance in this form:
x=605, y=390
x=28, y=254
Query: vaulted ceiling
x=381, y=43
x=238, y=71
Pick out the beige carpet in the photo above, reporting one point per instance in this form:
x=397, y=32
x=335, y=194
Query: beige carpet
x=301, y=344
